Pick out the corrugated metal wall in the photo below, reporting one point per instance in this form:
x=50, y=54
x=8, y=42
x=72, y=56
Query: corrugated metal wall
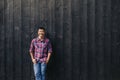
x=84, y=33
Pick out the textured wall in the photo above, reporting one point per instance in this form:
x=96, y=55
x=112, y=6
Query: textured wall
x=84, y=33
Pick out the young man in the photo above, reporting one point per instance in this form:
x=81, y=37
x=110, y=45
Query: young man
x=40, y=52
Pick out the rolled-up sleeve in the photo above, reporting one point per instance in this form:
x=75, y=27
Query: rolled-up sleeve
x=32, y=46
x=49, y=47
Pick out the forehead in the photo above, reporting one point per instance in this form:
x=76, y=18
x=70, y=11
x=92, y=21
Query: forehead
x=40, y=29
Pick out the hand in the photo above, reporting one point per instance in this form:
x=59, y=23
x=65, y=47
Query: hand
x=34, y=61
x=47, y=61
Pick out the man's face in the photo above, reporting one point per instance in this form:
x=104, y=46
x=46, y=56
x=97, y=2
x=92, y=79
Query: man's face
x=41, y=33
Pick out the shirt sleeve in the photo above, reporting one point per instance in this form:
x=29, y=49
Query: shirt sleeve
x=32, y=46
x=49, y=47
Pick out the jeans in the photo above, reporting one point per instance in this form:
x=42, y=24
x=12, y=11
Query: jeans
x=39, y=71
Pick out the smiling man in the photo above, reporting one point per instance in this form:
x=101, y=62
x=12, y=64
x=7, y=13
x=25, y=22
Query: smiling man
x=40, y=52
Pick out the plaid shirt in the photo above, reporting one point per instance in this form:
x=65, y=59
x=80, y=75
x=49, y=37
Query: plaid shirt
x=40, y=49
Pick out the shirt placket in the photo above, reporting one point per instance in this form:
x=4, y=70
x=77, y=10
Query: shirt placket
x=41, y=48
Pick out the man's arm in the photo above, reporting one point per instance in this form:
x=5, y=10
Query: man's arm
x=33, y=59
x=49, y=52
x=32, y=51
x=48, y=58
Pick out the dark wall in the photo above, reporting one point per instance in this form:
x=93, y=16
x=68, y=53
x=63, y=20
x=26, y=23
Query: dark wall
x=84, y=33
x=115, y=49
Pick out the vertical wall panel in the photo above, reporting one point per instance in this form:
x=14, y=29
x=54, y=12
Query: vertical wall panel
x=107, y=39
x=99, y=40
x=25, y=30
x=115, y=28
x=17, y=40
x=67, y=39
x=115, y=39
x=84, y=41
x=75, y=11
x=8, y=40
x=91, y=41
x=50, y=14
x=59, y=38
x=2, y=40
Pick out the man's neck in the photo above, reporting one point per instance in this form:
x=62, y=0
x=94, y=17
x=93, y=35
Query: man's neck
x=41, y=38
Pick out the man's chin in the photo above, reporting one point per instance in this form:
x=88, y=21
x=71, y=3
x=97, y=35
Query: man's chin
x=41, y=35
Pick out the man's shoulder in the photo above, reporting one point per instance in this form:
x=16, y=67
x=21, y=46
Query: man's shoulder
x=47, y=39
x=34, y=39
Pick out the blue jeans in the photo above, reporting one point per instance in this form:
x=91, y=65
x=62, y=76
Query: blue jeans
x=39, y=70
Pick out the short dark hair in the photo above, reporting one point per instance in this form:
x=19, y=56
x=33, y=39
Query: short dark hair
x=41, y=28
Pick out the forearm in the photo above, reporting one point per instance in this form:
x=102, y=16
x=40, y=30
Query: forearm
x=31, y=54
x=49, y=55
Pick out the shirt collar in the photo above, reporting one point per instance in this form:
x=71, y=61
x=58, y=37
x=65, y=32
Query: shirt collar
x=41, y=40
